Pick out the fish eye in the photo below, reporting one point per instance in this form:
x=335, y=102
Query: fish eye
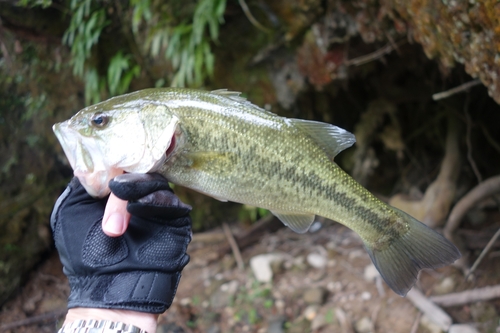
x=99, y=119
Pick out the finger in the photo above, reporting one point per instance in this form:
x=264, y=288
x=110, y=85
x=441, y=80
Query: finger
x=116, y=218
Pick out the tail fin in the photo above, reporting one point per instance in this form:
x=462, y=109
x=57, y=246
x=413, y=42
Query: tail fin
x=421, y=247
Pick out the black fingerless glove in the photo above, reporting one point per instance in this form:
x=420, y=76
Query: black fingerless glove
x=137, y=271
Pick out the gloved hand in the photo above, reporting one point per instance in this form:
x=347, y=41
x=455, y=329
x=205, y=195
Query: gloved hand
x=137, y=271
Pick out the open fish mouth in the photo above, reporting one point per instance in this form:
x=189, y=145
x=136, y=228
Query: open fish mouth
x=92, y=173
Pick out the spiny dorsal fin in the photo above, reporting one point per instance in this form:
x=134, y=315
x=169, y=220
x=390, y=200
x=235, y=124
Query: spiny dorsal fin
x=235, y=96
x=331, y=138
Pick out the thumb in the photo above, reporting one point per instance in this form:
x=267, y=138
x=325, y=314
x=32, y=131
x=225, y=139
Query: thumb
x=116, y=217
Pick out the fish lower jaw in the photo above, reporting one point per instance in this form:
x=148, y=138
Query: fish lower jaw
x=96, y=183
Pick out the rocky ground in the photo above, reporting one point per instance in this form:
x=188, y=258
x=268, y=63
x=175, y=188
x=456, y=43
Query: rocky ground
x=316, y=282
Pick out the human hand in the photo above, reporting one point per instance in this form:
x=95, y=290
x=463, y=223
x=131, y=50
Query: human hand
x=138, y=271
x=116, y=217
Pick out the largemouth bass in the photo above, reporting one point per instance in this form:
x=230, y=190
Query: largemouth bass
x=219, y=144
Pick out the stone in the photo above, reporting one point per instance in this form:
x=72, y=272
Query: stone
x=370, y=273
x=311, y=312
x=213, y=329
x=314, y=295
x=445, y=286
x=364, y=325
x=430, y=325
x=276, y=324
x=300, y=325
x=366, y=296
x=230, y=287
x=219, y=299
x=261, y=266
x=316, y=260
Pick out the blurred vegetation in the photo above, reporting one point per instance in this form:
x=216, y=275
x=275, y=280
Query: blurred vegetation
x=332, y=61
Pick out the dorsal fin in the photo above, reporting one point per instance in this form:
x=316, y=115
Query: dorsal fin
x=331, y=138
x=235, y=96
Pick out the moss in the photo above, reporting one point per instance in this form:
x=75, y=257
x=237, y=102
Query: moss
x=466, y=32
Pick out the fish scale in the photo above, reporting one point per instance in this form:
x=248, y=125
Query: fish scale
x=222, y=145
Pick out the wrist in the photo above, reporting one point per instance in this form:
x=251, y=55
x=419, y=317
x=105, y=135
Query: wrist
x=144, y=321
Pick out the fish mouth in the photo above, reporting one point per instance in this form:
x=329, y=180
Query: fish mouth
x=93, y=176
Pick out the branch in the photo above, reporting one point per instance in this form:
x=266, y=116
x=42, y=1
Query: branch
x=251, y=18
x=483, y=190
x=374, y=55
x=234, y=247
x=430, y=309
x=468, y=296
x=456, y=90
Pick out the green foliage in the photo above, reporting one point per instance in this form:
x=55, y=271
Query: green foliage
x=120, y=73
x=186, y=44
x=86, y=26
x=248, y=301
x=35, y=3
x=183, y=41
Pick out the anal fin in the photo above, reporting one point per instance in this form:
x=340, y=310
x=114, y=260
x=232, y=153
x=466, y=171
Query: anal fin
x=299, y=223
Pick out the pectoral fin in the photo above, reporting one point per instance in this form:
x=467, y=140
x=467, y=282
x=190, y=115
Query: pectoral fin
x=210, y=160
x=298, y=223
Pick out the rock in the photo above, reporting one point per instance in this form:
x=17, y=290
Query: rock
x=370, y=273
x=213, y=329
x=230, y=287
x=365, y=295
x=311, y=312
x=445, y=286
x=486, y=314
x=325, y=317
x=300, y=325
x=276, y=324
x=462, y=328
x=261, y=266
x=277, y=266
x=430, y=325
x=482, y=312
x=325, y=320
x=364, y=325
x=314, y=296
x=219, y=299
x=298, y=263
x=316, y=260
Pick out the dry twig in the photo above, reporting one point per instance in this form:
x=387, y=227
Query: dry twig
x=266, y=224
x=344, y=321
x=234, y=247
x=251, y=18
x=416, y=323
x=483, y=253
x=483, y=190
x=456, y=90
x=468, y=296
x=431, y=310
x=374, y=55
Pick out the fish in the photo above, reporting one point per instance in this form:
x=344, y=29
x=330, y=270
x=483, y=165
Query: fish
x=220, y=144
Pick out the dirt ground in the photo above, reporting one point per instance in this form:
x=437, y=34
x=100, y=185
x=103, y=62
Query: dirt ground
x=322, y=282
